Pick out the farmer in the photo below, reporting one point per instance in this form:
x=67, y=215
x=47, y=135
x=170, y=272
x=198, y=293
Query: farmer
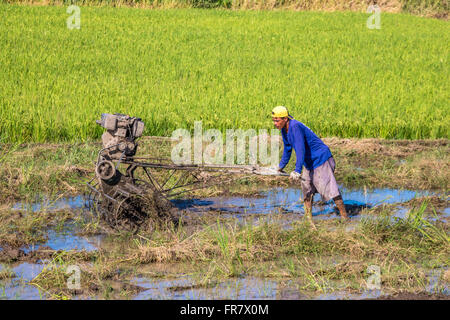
x=311, y=152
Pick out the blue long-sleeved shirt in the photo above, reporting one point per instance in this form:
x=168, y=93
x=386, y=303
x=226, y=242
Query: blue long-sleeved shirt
x=310, y=150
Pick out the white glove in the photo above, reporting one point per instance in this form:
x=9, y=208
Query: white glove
x=295, y=176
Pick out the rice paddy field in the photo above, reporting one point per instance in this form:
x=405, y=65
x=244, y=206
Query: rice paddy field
x=379, y=98
x=227, y=68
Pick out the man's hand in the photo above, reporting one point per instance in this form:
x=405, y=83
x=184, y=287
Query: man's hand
x=295, y=176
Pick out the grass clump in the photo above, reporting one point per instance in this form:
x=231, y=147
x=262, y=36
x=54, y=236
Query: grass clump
x=19, y=228
x=414, y=232
x=336, y=256
x=66, y=276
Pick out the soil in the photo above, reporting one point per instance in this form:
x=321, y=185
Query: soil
x=13, y=254
x=414, y=296
x=434, y=202
x=143, y=211
x=115, y=287
x=381, y=147
x=10, y=254
x=195, y=286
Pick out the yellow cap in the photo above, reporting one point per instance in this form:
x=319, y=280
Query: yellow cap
x=279, y=112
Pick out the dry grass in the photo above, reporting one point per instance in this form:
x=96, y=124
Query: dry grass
x=402, y=250
x=31, y=169
x=375, y=239
x=19, y=228
x=336, y=255
x=383, y=147
x=6, y=273
x=393, y=6
x=99, y=279
x=437, y=9
x=411, y=164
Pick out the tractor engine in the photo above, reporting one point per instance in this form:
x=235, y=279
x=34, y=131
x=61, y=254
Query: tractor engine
x=120, y=135
x=119, y=143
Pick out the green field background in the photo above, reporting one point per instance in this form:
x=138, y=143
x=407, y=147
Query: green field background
x=226, y=68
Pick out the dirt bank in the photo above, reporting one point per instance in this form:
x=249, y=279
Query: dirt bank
x=414, y=296
x=375, y=163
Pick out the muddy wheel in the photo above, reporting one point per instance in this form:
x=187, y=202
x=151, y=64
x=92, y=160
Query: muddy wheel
x=131, y=204
x=127, y=214
x=105, y=170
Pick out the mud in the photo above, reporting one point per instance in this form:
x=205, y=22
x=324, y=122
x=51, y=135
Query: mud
x=159, y=212
x=387, y=148
x=434, y=203
x=9, y=254
x=288, y=201
x=273, y=204
x=259, y=288
x=69, y=239
x=193, y=286
x=415, y=296
x=56, y=242
x=136, y=212
x=114, y=287
x=12, y=255
x=19, y=286
x=344, y=268
x=185, y=288
x=66, y=203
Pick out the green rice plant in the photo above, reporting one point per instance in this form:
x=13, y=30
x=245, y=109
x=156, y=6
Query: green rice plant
x=223, y=239
x=313, y=280
x=430, y=231
x=226, y=68
x=249, y=236
x=53, y=276
x=414, y=232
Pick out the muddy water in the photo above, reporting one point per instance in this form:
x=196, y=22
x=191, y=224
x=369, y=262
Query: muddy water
x=184, y=288
x=66, y=240
x=237, y=289
x=276, y=200
x=18, y=287
x=288, y=201
x=253, y=289
x=280, y=200
x=77, y=202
